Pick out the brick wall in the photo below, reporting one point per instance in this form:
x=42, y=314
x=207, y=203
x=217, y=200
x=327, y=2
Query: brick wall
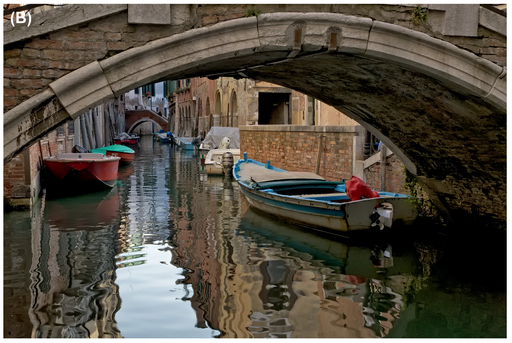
x=395, y=179
x=14, y=174
x=295, y=148
x=14, y=171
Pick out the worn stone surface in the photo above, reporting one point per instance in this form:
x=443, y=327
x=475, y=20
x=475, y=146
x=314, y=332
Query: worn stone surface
x=156, y=14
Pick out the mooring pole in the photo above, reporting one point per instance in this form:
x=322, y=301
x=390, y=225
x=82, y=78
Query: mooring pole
x=383, y=153
x=320, y=148
x=88, y=127
x=84, y=132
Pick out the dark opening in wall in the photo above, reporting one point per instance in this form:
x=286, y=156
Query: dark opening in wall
x=273, y=108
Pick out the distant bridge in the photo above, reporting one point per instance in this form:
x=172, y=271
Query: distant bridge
x=134, y=118
x=429, y=82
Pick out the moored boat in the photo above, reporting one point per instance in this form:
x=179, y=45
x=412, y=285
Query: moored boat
x=217, y=134
x=82, y=171
x=213, y=160
x=126, y=139
x=309, y=200
x=126, y=154
x=187, y=143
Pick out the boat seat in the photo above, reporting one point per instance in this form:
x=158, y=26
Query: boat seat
x=83, y=156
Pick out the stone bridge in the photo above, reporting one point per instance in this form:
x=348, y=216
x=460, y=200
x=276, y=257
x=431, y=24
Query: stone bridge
x=134, y=118
x=429, y=81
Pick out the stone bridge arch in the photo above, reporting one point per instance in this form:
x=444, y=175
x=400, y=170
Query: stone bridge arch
x=439, y=108
x=133, y=118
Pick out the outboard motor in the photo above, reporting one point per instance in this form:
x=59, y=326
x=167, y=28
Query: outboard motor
x=78, y=149
x=197, y=141
x=227, y=163
x=382, y=216
x=224, y=143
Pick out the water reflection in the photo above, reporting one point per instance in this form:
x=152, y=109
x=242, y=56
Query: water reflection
x=314, y=285
x=73, y=288
x=171, y=252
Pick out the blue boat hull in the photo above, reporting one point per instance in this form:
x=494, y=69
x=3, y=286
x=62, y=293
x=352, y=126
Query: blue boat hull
x=318, y=203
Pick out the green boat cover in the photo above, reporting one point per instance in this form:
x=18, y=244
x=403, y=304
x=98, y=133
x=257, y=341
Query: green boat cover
x=115, y=148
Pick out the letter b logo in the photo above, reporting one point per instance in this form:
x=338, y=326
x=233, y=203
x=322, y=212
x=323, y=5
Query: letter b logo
x=21, y=18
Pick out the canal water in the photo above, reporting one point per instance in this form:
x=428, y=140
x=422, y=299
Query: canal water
x=171, y=253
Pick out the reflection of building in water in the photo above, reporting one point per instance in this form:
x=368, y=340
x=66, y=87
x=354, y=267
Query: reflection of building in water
x=194, y=228
x=73, y=283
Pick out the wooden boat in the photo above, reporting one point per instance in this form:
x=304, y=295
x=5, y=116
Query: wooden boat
x=308, y=199
x=126, y=154
x=84, y=171
x=126, y=139
x=213, y=160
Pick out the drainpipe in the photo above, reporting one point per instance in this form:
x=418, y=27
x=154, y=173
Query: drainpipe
x=77, y=135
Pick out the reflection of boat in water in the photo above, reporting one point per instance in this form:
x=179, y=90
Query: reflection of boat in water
x=357, y=297
x=354, y=257
x=125, y=171
x=87, y=211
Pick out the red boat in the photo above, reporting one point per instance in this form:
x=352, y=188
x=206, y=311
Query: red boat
x=87, y=171
x=125, y=156
x=126, y=139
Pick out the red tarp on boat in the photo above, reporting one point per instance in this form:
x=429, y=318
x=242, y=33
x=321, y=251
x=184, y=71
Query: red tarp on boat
x=356, y=189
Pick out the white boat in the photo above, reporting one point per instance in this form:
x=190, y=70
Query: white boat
x=214, y=137
x=213, y=160
x=309, y=200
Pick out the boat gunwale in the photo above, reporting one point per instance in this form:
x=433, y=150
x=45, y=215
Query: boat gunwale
x=86, y=160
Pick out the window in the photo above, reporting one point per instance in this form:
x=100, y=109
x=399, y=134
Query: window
x=71, y=127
